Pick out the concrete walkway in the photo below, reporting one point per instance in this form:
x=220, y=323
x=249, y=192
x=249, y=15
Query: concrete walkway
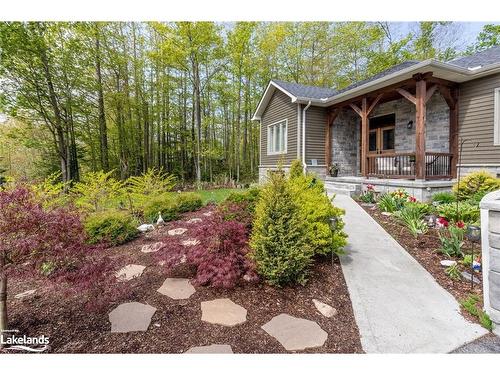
x=398, y=306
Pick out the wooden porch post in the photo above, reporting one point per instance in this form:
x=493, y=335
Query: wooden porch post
x=420, y=98
x=364, y=137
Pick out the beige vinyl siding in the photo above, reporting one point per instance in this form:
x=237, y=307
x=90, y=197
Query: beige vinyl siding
x=475, y=120
x=280, y=108
x=315, y=134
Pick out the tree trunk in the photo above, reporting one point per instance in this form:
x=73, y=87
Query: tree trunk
x=3, y=297
x=103, y=132
x=197, y=114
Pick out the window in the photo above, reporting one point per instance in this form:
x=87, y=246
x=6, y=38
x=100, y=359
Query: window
x=277, y=137
x=496, y=133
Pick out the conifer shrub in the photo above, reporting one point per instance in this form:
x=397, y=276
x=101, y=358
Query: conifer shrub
x=475, y=183
x=279, y=242
x=296, y=169
x=110, y=227
x=187, y=202
x=316, y=210
x=164, y=204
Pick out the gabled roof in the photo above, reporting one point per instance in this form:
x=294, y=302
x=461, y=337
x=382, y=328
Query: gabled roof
x=461, y=69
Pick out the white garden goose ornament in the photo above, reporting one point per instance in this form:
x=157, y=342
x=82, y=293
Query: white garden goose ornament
x=160, y=220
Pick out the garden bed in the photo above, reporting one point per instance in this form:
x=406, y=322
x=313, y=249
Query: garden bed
x=176, y=325
x=425, y=249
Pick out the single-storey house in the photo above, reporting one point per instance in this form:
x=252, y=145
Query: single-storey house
x=416, y=125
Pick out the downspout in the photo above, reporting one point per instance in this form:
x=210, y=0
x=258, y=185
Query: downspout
x=304, y=135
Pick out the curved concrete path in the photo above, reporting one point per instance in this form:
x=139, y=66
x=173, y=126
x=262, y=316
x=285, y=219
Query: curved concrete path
x=398, y=306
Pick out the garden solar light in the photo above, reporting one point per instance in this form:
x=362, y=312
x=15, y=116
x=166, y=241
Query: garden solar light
x=333, y=223
x=431, y=220
x=473, y=234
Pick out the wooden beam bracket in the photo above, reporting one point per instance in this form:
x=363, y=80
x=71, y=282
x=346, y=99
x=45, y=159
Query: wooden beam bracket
x=407, y=95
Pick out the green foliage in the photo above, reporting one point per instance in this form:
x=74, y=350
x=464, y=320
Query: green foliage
x=472, y=305
x=368, y=196
x=150, y=184
x=164, y=204
x=411, y=215
x=453, y=272
x=444, y=197
x=51, y=192
x=97, y=191
x=296, y=169
x=452, y=241
x=466, y=212
x=487, y=38
x=317, y=210
x=474, y=183
x=387, y=203
x=250, y=197
x=467, y=261
x=187, y=202
x=110, y=227
x=279, y=244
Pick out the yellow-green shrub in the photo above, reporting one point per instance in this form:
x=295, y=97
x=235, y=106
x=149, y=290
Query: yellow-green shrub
x=187, y=202
x=316, y=209
x=165, y=204
x=110, y=227
x=296, y=169
x=476, y=183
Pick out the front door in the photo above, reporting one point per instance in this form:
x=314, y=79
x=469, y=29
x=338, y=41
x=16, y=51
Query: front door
x=382, y=135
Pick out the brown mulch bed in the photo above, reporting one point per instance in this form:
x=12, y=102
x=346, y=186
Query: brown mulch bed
x=425, y=249
x=176, y=326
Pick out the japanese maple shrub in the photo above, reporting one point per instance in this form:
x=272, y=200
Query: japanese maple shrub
x=50, y=243
x=279, y=241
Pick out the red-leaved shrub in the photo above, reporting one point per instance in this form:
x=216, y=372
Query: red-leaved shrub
x=220, y=254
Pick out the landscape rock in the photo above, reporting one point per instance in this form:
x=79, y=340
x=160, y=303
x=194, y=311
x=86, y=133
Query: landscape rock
x=177, y=288
x=152, y=248
x=467, y=276
x=324, y=309
x=223, y=311
x=209, y=213
x=295, y=333
x=131, y=317
x=145, y=227
x=448, y=263
x=190, y=242
x=25, y=294
x=210, y=349
x=177, y=231
x=386, y=213
x=130, y=272
x=194, y=220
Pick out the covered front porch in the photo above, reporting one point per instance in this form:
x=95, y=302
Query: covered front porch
x=405, y=131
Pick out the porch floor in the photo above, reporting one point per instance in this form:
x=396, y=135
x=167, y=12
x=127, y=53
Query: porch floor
x=398, y=306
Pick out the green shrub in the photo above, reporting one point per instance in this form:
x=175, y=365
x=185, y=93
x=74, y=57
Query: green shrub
x=477, y=182
x=452, y=241
x=51, y=192
x=467, y=212
x=279, y=244
x=411, y=216
x=444, y=197
x=296, y=169
x=467, y=261
x=316, y=211
x=453, y=272
x=163, y=204
x=238, y=201
x=97, y=190
x=187, y=202
x=152, y=183
x=472, y=305
x=110, y=227
x=387, y=203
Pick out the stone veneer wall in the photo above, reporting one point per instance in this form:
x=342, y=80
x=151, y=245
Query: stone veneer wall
x=345, y=143
x=490, y=241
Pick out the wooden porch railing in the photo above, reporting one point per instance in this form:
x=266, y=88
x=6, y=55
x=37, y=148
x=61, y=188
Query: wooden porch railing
x=403, y=165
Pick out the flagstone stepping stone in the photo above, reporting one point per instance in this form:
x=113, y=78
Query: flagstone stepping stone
x=295, y=333
x=194, y=220
x=448, y=263
x=131, y=317
x=223, y=311
x=209, y=213
x=210, y=349
x=324, y=309
x=152, y=248
x=25, y=294
x=130, y=272
x=191, y=242
x=176, y=231
x=467, y=276
x=177, y=288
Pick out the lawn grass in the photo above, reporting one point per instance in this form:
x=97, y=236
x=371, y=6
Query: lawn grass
x=215, y=195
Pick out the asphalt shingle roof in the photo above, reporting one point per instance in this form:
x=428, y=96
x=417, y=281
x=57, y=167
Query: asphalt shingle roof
x=483, y=58
x=305, y=91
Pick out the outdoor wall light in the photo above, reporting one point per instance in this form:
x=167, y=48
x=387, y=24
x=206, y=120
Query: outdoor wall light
x=410, y=124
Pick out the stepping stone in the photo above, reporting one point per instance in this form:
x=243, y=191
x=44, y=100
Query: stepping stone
x=25, y=294
x=177, y=288
x=467, y=276
x=131, y=317
x=177, y=231
x=194, y=220
x=295, y=333
x=152, y=248
x=209, y=213
x=223, y=311
x=130, y=272
x=448, y=263
x=191, y=242
x=210, y=349
x=324, y=309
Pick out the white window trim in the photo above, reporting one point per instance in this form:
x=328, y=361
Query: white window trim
x=496, y=126
x=269, y=152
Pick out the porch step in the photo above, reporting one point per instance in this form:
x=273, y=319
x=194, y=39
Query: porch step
x=341, y=188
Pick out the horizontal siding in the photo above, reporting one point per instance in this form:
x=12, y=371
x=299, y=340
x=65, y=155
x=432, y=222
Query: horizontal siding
x=315, y=134
x=475, y=119
x=279, y=108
